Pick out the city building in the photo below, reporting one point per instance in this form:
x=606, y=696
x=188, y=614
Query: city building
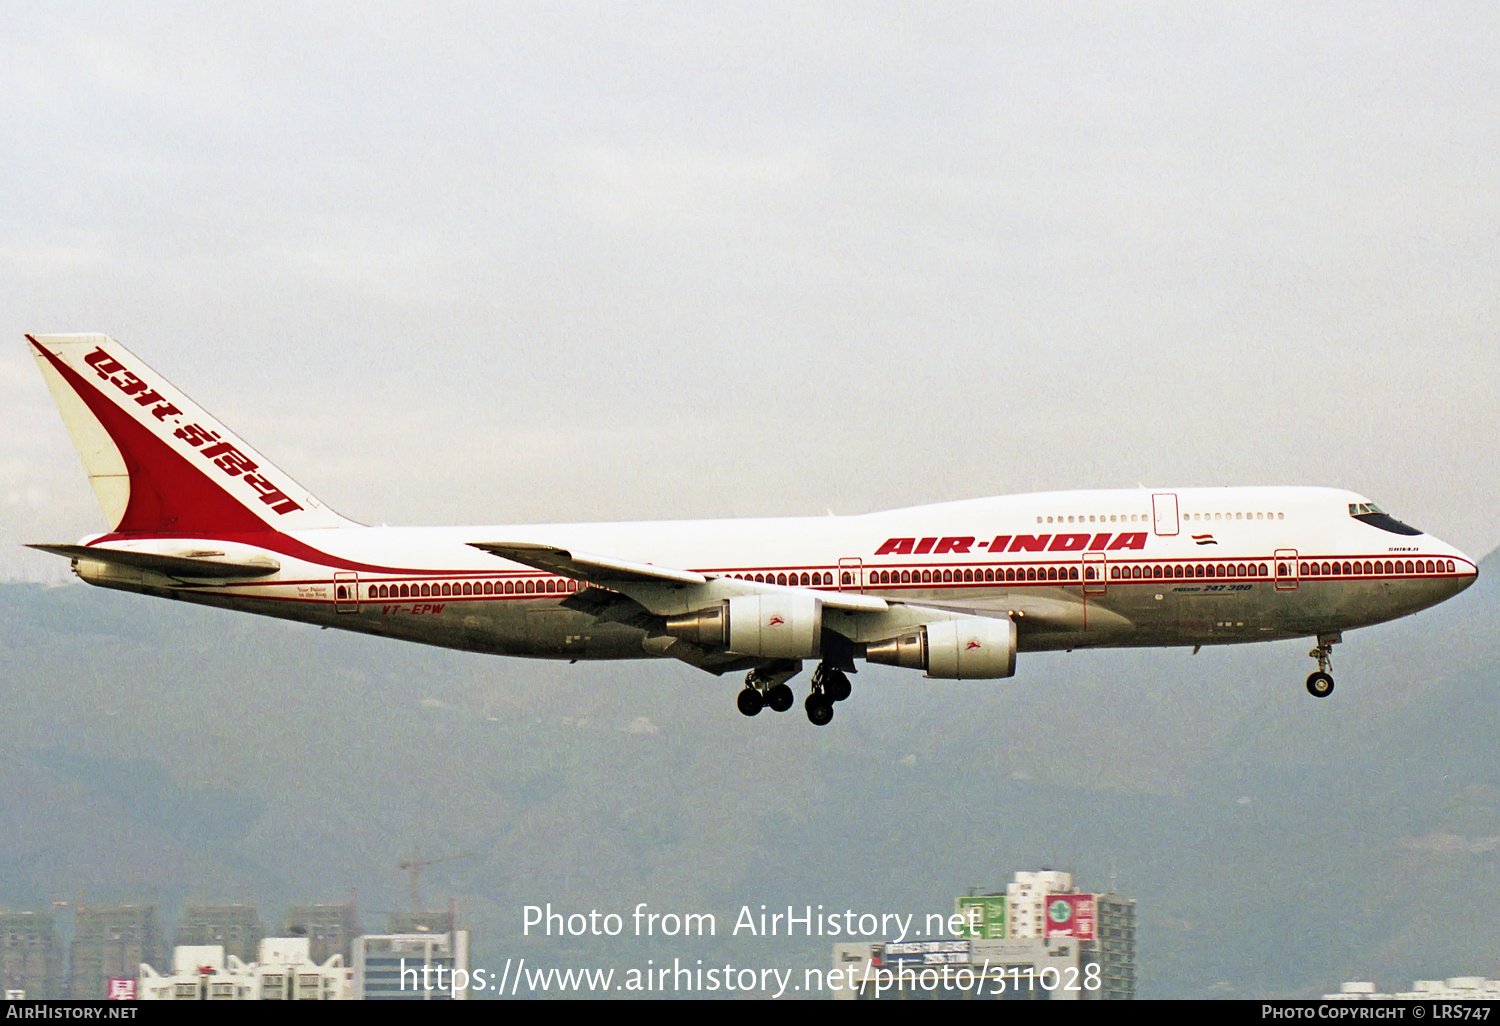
x=1026, y=900
x=1455, y=988
x=1044, y=938
x=235, y=928
x=1007, y=969
x=410, y=966
x=1114, y=946
x=330, y=928
x=289, y=970
x=200, y=972
x=110, y=942
x=283, y=971
x=31, y=961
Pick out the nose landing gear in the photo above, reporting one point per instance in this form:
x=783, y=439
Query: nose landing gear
x=1320, y=683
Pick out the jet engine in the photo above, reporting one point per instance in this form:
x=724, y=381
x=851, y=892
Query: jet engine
x=968, y=648
x=772, y=626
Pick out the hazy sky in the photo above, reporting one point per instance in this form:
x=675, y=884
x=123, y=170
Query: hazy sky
x=669, y=260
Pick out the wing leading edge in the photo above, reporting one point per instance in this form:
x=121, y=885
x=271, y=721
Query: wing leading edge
x=652, y=585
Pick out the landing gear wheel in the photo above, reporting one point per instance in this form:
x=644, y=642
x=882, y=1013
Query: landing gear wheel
x=1320, y=684
x=819, y=710
x=780, y=698
x=836, y=685
x=750, y=701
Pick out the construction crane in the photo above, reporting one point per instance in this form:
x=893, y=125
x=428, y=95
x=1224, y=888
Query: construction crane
x=414, y=866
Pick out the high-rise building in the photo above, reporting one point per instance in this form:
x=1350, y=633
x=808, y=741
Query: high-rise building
x=1062, y=943
x=330, y=928
x=1026, y=901
x=110, y=942
x=235, y=928
x=30, y=956
x=1114, y=946
x=411, y=966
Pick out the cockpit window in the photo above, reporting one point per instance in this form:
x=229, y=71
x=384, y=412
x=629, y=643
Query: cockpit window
x=1373, y=515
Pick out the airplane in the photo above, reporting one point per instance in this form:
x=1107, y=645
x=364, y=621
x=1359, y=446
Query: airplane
x=955, y=590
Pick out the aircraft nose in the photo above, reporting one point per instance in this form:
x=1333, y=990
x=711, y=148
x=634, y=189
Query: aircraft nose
x=1465, y=570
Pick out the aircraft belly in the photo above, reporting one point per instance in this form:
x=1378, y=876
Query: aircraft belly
x=497, y=628
x=541, y=629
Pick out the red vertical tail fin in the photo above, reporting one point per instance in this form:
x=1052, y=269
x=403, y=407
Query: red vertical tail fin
x=158, y=462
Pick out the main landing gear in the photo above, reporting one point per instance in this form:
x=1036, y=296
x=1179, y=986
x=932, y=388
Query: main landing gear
x=829, y=684
x=1320, y=683
x=766, y=685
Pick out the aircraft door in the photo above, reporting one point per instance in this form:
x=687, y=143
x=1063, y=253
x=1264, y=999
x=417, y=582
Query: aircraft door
x=1286, y=569
x=851, y=574
x=1094, y=573
x=345, y=592
x=1164, y=514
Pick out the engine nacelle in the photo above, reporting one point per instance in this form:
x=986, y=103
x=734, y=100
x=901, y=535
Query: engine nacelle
x=773, y=626
x=969, y=648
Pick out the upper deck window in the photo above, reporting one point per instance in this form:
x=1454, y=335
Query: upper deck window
x=1373, y=515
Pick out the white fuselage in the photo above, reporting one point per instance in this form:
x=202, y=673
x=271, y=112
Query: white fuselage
x=1193, y=566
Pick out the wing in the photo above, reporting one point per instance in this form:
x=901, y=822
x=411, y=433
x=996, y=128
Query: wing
x=663, y=590
x=584, y=567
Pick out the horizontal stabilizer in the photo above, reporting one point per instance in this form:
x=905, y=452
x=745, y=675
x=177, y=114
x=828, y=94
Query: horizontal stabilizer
x=198, y=566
